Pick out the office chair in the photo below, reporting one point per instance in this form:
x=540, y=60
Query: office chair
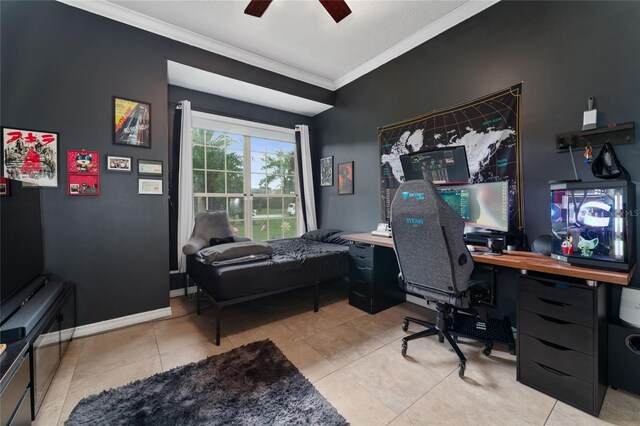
x=436, y=265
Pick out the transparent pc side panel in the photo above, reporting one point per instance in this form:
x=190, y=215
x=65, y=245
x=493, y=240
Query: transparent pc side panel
x=589, y=223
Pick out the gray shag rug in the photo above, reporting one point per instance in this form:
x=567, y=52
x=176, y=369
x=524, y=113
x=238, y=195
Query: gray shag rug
x=251, y=385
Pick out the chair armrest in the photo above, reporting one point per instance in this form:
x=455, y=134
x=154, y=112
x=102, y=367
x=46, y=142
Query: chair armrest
x=193, y=245
x=240, y=239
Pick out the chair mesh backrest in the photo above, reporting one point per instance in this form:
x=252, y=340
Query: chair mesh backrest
x=428, y=239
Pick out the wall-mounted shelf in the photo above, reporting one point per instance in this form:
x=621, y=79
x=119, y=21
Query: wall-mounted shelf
x=619, y=134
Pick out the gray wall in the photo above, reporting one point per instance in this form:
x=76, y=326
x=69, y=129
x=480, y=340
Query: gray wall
x=61, y=66
x=563, y=52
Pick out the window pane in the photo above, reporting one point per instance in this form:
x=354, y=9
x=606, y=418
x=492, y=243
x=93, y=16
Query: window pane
x=288, y=147
x=215, y=182
x=215, y=159
x=290, y=206
x=289, y=185
x=275, y=229
x=235, y=183
x=258, y=145
x=259, y=208
x=257, y=162
x=198, y=181
x=288, y=163
x=197, y=136
x=274, y=146
x=289, y=228
x=199, y=204
x=218, y=140
x=236, y=208
x=275, y=207
x=260, y=229
x=274, y=185
x=258, y=183
x=273, y=163
x=217, y=203
x=235, y=161
x=237, y=227
x=198, y=157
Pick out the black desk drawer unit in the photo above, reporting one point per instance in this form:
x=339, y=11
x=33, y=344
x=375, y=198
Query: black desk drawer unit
x=562, y=340
x=373, y=278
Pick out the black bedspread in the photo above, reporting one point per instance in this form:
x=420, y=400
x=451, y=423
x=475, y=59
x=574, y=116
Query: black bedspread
x=296, y=262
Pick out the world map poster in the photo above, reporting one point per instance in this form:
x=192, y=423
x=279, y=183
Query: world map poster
x=488, y=128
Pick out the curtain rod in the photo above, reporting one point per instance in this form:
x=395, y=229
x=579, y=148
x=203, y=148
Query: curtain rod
x=240, y=117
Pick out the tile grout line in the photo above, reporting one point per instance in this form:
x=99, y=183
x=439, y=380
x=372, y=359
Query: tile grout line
x=155, y=336
x=550, y=412
x=75, y=365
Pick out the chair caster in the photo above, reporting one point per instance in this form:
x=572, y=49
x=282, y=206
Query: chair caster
x=405, y=326
x=404, y=349
x=462, y=366
x=487, y=349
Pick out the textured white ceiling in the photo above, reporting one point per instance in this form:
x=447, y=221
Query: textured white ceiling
x=301, y=33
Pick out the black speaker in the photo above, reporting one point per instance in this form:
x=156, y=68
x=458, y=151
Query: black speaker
x=542, y=244
x=624, y=357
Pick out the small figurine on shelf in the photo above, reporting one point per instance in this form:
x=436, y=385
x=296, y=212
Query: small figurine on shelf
x=587, y=246
x=567, y=245
x=588, y=153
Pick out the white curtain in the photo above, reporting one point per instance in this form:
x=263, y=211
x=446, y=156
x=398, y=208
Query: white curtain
x=307, y=195
x=185, y=184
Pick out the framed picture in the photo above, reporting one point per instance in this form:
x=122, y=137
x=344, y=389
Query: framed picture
x=31, y=156
x=81, y=161
x=149, y=168
x=131, y=122
x=5, y=187
x=326, y=171
x=150, y=186
x=345, y=178
x=83, y=184
x=119, y=164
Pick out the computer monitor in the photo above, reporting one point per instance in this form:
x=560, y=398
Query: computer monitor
x=481, y=205
x=439, y=165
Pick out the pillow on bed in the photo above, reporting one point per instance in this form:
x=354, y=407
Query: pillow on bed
x=337, y=239
x=245, y=250
x=319, y=235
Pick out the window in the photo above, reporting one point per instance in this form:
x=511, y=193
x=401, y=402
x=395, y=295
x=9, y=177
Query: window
x=249, y=170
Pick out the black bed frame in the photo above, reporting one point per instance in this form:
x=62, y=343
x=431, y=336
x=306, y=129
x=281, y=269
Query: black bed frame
x=219, y=305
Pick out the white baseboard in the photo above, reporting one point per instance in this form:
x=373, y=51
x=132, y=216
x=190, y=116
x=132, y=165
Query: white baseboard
x=112, y=324
x=180, y=291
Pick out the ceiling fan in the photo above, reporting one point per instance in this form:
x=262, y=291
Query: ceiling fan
x=338, y=9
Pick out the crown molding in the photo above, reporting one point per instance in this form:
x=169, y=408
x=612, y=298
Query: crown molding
x=450, y=20
x=156, y=26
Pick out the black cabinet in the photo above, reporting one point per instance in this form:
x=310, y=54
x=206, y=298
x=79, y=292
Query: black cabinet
x=562, y=340
x=373, y=278
x=16, y=397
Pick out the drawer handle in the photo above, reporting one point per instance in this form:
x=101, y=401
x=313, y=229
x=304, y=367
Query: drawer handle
x=357, y=293
x=552, y=370
x=362, y=257
x=553, y=345
x=363, y=268
x=553, y=302
x=557, y=321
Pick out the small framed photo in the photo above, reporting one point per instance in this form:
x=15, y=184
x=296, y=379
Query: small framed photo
x=326, y=171
x=131, y=122
x=149, y=168
x=345, y=178
x=119, y=164
x=5, y=187
x=150, y=186
x=83, y=184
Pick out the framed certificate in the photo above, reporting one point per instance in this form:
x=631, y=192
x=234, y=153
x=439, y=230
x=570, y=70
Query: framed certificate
x=149, y=168
x=150, y=186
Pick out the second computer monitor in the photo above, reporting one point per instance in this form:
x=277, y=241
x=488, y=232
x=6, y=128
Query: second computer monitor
x=439, y=165
x=481, y=205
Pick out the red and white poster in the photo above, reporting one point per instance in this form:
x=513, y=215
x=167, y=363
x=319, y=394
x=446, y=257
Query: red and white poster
x=30, y=156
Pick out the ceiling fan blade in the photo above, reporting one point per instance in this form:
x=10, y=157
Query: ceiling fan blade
x=257, y=7
x=338, y=9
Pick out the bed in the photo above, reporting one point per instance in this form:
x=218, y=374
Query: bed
x=315, y=258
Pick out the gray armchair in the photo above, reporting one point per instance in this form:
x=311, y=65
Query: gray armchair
x=436, y=265
x=208, y=225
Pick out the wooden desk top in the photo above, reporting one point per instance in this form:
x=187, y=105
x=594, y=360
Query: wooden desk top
x=521, y=260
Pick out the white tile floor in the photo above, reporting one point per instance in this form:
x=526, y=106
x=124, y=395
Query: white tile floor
x=351, y=357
